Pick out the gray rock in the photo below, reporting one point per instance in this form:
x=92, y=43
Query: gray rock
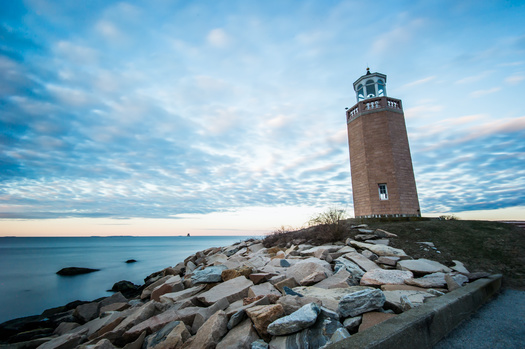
x=66, y=341
x=384, y=234
x=263, y=289
x=379, y=242
x=363, y=237
x=170, y=298
x=302, y=269
x=416, y=298
x=205, y=313
x=86, y=312
x=329, y=297
x=211, y=332
x=339, y=280
x=423, y=266
x=380, y=250
x=208, y=275
x=370, y=255
x=339, y=335
x=65, y=327
x=259, y=344
x=459, y=267
x=361, y=302
x=315, y=336
x=292, y=303
x=377, y=277
x=355, y=271
x=240, y=337
x=236, y=319
x=428, y=281
x=392, y=261
x=160, y=338
x=363, y=262
x=297, y=321
x=406, y=304
x=114, y=298
x=352, y=323
x=284, y=263
x=233, y=290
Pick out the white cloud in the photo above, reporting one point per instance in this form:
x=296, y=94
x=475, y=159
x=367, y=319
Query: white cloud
x=481, y=93
x=77, y=53
x=418, y=82
x=217, y=37
x=110, y=31
x=515, y=79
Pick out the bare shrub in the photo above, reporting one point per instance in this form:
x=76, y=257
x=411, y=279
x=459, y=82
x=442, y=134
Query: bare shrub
x=330, y=221
x=450, y=217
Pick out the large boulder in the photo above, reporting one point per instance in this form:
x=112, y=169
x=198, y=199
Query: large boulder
x=208, y=275
x=341, y=279
x=211, y=332
x=377, y=277
x=416, y=298
x=380, y=250
x=360, y=302
x=66, y=341
x=240, y=337
x=293, y=303
x=72, y=271
x=305, y=317
x=171, y=336
x=173, y=284
x=315, y=336
x=232, y=290
x=423, y=266
x=262, y=290
x=170, y=298
x=303, y=269
x=263, y=315
x=428, y=281
x=329, y=297
x=363, y=262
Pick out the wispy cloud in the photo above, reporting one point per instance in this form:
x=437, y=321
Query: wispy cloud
x=123, y=109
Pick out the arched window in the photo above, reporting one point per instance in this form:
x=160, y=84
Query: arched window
x=370, y=89
x=360, y=93
x=381, y=88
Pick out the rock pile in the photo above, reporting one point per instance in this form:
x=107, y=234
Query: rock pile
x=249, y=296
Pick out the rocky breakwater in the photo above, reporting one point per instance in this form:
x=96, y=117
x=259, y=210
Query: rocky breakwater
x=249, y=296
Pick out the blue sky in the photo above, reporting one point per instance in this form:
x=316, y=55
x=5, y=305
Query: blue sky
x=199, y=113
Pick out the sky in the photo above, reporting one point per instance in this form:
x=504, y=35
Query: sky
x=220, y=117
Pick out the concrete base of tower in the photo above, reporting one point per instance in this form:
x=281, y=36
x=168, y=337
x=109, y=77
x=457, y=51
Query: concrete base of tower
x=401, y=215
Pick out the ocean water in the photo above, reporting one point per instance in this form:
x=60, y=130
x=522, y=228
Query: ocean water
x=28, y=265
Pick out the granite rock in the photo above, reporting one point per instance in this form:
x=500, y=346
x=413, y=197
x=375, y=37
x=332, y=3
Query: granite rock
x=360, y=302
x=377, y=277
x=305, y=317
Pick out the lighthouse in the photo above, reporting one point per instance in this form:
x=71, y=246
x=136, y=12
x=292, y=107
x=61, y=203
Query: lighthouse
x=383, y=182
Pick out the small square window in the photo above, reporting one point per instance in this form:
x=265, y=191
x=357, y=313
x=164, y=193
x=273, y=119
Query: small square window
x=383, y=192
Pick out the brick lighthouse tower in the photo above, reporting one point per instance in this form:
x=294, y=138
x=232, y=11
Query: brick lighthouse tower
x=383, y=180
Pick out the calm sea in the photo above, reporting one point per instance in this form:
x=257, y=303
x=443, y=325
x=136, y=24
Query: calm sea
x=28, y=266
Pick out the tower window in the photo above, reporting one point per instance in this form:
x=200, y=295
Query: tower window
x=381, y=88
x=370, y=89
x=360, y=93
x=383, y=193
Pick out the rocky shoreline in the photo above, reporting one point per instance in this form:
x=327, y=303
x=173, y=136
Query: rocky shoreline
x=250, y=296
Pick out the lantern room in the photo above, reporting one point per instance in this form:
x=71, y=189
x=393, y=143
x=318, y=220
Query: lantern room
x=370, y=85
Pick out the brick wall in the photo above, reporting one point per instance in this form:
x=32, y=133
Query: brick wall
x=380, y=153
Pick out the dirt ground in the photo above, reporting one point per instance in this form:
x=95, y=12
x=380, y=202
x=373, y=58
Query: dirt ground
x=481, y=245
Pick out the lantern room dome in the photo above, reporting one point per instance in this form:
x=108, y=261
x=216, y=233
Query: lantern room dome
x=370, y=85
